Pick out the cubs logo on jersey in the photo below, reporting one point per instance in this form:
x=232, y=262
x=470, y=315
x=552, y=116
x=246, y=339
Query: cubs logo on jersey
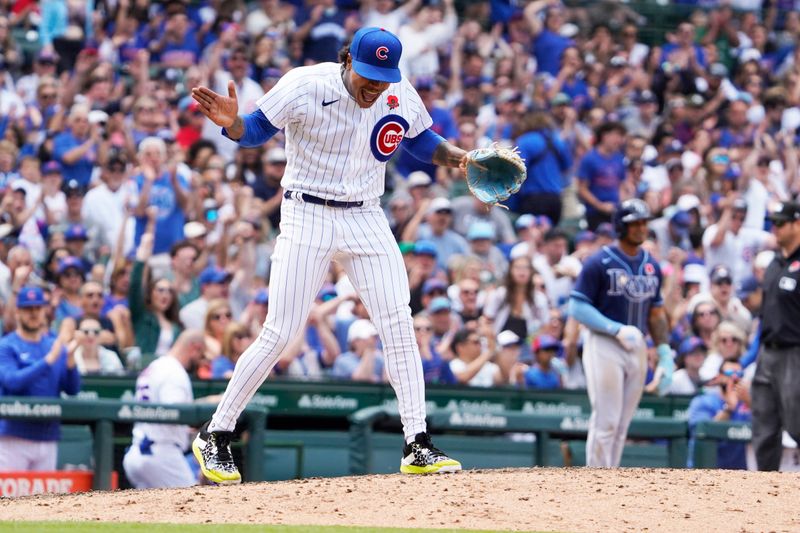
x=636, y=288
x=386, y=136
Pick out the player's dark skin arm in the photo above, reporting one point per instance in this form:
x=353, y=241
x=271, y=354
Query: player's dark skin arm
x=447, y=155
x=658, y=325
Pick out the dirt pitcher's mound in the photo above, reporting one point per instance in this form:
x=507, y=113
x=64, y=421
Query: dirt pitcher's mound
x=538, y=499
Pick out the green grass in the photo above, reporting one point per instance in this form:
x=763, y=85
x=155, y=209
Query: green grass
x=67, y=527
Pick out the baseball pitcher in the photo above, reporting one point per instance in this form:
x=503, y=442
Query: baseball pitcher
x=342, y=123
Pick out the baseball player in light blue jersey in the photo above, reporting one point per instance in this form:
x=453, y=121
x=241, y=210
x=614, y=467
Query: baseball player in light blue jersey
x=342, y=121
x=618, y=297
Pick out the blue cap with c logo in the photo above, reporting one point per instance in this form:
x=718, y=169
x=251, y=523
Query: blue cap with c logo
x=376, y=54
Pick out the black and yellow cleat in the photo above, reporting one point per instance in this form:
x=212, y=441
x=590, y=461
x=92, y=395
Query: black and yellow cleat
x=421, y=457
x=212, y=449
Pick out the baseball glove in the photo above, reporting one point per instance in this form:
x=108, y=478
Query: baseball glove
x=494, y=174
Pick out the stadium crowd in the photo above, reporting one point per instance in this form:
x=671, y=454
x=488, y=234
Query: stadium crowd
x=137, y=219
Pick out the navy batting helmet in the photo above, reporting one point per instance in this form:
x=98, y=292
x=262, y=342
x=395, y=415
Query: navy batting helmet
x=630, y=211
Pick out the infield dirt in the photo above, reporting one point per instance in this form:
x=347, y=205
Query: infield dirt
x=537, y=499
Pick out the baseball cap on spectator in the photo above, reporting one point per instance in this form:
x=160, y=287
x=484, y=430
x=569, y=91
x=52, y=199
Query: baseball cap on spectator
x=687, y=202
x=76, y=232
x=73, y=188
x=674, y=163
x=480, y=230
x=585, y=236
x=508, y=338
x=690, y=345
x=618, y=62
x=400, y=197
x=645, y=97
x=261, y=297
x=695, y=100
x=674, y=147
x=694, y=273
x=507, y=95
x=193, y=230
x=721, y=274
x=543, y=221
x=605, y=229
x=31, y=296
x=525, y=221
x=51, y=167
x=681, y=220
x=361, y=329
x=70, y=262
x=471, y=82
x=739, y=204
x=568, y=30
x=406, y=247
x=751, y=54
x=213, y=274
x=784, y=212
x=276, y=155
x=376, y=54
x=425, y=247
x=718, y=70
x=438, y=304
x=440, y=204
x=434, y=284
x=748, y=286
x=46, y=57
x=418, y=178
x=561, y=99
x=424, y=83
x=546, y=342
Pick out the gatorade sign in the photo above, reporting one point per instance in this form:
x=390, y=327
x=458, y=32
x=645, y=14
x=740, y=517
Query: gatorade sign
x=15, y=484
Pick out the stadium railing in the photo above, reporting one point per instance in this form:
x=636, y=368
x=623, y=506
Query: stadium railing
x=102, y=415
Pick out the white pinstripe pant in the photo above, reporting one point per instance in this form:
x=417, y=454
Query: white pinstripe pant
x=363, y=243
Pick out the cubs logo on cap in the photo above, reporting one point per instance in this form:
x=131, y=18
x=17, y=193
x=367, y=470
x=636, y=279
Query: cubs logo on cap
x=376, y=54
x=386, y=136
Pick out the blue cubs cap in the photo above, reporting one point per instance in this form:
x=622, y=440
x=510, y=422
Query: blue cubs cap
x=433, y=284
x=690, y=345
x=76, y=232
x=681, y=219
x=51, y=167
x=213, y=275
x=31, y=296
x=261, y=297
x=70, y=262
x=585, y=236
x=424, y=247
x=376, y=54
x=440, y=303
x=546, y=342
x=748, y=286
x=606, y=229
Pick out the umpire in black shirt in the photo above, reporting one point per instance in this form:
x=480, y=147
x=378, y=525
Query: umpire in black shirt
x=776, y=385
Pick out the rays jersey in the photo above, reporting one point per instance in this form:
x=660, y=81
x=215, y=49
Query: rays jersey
x=622, y=288
x=335, y=149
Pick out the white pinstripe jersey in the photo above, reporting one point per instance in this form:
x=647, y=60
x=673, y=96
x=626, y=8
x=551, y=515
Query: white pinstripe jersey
x=339, y=151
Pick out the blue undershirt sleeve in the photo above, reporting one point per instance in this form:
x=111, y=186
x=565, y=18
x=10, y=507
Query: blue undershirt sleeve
x=257, y=130
x=423, y=145
x=589, y=316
